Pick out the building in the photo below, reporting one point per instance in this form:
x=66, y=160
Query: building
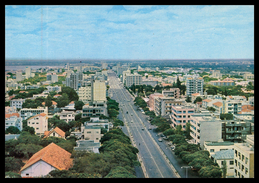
x=91, y=133
x=95, y=121
x=67, y=115
x=215, y=146
x=231, y=106
x=99, y=91
x=28, y=112
x=85, y=94
x=56, y=132
x=228, y=156
x=248, y=76
x=135, y=79
x=151, y=102
x=39, y=95
x=204, y=127
x=181, y=115
x=216, y=74
x=53, y=77
x=72, y=80
x=173, y=92
x=224, y=82
x=19, y=76
x=17, y=103
x=236, y=131
x=149, y=82
x=124, y=73
x=94, y=110
x=87, y=145
x=39, y=122
x=27, y=72
x=13, y=119
x=54, y=88
x=163, y=105
x=51, y=157
x=194, y=85
x=244, y=158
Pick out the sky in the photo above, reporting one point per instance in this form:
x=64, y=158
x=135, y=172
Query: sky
x=129, y=32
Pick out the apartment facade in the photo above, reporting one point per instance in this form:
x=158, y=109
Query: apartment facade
x=17, y=103
x=13, y=120
x=28, y=112
x=173, y=92
x=99, y=91
x=151, y=102
x=133, y=79
x=94, y=110
x=224, y=82
x=244, y=158
x=194, y=85
x=67, y=116
x=163, y=105
x=85, y=94
x=181, y=115
x=91, y=133
x=204, y=127
x=39, y=122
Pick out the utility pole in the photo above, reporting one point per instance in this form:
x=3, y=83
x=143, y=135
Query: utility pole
x=186, y=168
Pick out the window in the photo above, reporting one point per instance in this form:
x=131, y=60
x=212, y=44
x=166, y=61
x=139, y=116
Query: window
x=211, y=150
x=231, y=162
x=27, y=174
x=243, y=157
x=88, y=132
x=246, y=160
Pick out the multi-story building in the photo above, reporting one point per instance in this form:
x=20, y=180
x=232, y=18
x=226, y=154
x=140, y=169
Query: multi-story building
x=13, y=119
x=85, y=94
x=228, y=156
x=99, y=91
x=216, y=74
x=17, y=103
x=235, y=131
x=67, y=115
x=54, y=88
x=151, y=102
x=163, y=105
x=91, y=133
x=19, y=76
x=72, y=80
x=173, y=92
x=124, y=73
x=215, y=146
x=194, y=85
x=133, y=79
x=204, y=127
x=27, y=72
x=181, y=115
x=39, y=122
x=53, y=77
x=248, y=76
x=244, y=158
x=231, y=106
x=224, y=82
x=94, y=110
x=28, y=112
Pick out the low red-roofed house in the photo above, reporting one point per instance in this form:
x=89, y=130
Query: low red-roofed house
x=56, y=132
x=56, y=96
x=52, y=157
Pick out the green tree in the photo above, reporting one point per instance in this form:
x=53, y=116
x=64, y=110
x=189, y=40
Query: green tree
x=29, y=129
x=119, y=172
x=28, y=138
x=48, y=101
x=250, y=86
x=12, y=175
x=12, y=130
x=13, y=164
x=26, y=150
x=71, y=93
x=169, y=131
x=226, y=116
x=178, y=130
x=188, y=99
x=79, y=105
x=210, y=172
x=198, y=99
x=187, y=130
x=224, y=169
x=63, y=100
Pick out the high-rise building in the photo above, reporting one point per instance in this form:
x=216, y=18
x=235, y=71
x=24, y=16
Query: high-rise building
x=244, y=158
x=133, y=79
x=72, y=81
x=18, y=76
x=28, y=72
x=194, y=85
x=99, y=91
x=85, y=94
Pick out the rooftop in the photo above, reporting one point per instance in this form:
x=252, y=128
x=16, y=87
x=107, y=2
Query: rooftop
x=226, y=143
x=224, y=154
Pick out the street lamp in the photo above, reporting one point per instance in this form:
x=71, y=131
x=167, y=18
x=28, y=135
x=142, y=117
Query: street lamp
x=186, y=168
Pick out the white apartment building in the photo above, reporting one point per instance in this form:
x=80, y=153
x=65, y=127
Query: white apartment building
x=99, y=91
x=85, y=94
x=39, y=122
x=67, y=116
x=13, y=120
x=91, y=133
x=19, y=76
x=28, y=112
x=215, y=146
x=244, y=158
x=17, y=103
x=204, y=127
x=194, y=85
x=181, y=115
x=54, y=88
x=27, y=72
x=231, y=106
x=124, y=73
x=133, y=79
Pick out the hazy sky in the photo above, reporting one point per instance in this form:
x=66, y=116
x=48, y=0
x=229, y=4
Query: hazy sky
x=129, y=32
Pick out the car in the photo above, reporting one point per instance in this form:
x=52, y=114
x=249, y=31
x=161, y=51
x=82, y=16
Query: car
x=160, y=139
x=131, y=114
x=142, y=129
x=149, y=128
x=127, y=112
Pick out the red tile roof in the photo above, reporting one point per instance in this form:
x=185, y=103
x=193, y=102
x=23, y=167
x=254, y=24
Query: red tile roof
x=218, y=104
x=250, y=107
x=195, y=94
x=207, y=100
x=13, y=114
x=53, y=155
x=57, y=130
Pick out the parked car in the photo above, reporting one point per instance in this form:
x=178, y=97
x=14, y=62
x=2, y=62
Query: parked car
x=160, y=139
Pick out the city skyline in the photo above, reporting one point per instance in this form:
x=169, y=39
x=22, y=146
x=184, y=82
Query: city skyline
x=129, y=32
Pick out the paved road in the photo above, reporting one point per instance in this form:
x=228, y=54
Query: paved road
x=154, y=162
